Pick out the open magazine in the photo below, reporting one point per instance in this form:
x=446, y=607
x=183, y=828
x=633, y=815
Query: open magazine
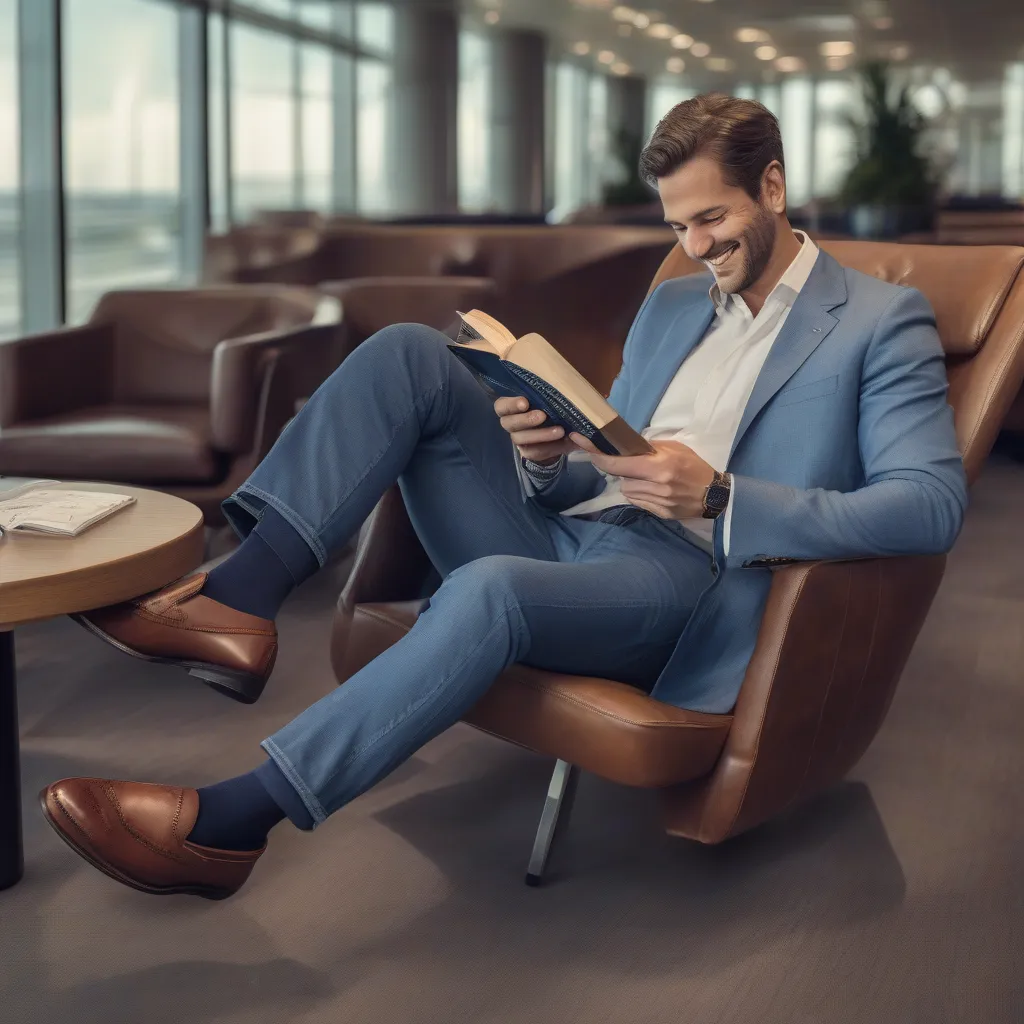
x=530, y=367
x=45, y=507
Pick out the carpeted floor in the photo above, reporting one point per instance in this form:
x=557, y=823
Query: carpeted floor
x=897, y=897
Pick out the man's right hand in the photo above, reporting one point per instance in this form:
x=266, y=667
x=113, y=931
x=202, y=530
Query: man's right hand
x=525, y=426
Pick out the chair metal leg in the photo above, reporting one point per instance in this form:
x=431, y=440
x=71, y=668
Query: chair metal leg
x=557, y=807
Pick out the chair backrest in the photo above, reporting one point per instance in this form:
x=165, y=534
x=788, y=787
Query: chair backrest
x=164, y=339
x=977, y=293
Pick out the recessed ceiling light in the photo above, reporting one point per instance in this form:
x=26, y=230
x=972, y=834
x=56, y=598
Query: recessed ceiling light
x=836, y=49
x=719, y=64
x=641, y=21
x=837, y=63
x=900, y=52
x=789, y=64
x=766, y=53
x=492, y=17
x=682, y=41
x=581, y=49
x=705, y=1
x=660, y=30
x=700, y=49
x=606, y=57
x=623, y=13
x=676, y=65
x=752, y=35
x=620, y=67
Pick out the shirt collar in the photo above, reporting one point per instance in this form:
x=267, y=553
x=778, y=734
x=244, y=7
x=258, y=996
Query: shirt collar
x=789, y=285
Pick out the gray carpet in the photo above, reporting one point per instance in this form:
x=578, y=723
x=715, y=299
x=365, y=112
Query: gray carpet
x=896, y=897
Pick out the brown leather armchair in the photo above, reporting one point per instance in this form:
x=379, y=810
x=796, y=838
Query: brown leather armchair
x=183, y=390
x=833, y=641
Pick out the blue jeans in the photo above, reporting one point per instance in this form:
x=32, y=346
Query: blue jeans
x=519, y=583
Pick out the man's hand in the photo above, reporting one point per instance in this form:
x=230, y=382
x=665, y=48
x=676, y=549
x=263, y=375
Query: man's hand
x=669, y=484
x=524, y=425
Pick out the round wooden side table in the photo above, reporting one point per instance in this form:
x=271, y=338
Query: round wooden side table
x=141, y=548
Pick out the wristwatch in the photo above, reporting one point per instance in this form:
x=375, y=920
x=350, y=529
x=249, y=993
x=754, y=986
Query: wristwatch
x=716, y=497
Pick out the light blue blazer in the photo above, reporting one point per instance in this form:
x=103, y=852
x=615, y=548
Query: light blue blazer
x=846, y=449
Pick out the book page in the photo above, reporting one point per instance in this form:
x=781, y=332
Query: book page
x=539, y=356
x=67, y=513
x=497, y=336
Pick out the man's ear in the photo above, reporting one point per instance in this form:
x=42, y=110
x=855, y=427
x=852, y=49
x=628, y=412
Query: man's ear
x=773, y=187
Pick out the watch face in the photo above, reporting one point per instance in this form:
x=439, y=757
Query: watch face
x=717, y=497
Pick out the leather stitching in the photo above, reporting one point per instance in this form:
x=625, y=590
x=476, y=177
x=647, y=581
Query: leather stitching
x=138, y=837
x=162, y=620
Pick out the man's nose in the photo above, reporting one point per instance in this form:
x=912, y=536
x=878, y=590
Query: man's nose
x=698, y=243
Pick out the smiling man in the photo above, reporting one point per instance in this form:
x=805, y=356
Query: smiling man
x=797, y=410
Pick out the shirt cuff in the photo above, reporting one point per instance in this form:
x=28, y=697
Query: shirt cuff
x=541, y=475
x=727, y=529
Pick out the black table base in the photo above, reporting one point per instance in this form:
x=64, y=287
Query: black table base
x=12, y=862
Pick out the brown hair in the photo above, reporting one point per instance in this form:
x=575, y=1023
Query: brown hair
x=741, y=135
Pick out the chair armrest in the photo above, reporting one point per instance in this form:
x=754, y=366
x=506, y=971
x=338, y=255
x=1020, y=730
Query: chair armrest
x=56, y=372
x=372, y=303
x=832, y=645
x=257, y=380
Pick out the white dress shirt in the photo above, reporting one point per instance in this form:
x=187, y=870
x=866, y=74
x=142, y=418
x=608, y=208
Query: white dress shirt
x=703, y=405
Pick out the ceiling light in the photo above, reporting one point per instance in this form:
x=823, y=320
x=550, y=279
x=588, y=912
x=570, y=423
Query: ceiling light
x=682, y=41
x=883, y=24
x=789, y=64
x=752, y=35
x=705, y=1
x=837, y=63
x=492, y=17
x=606, y=57
x=623, y=13
x=719, y=64
x=900, y=52
x=676, y=65
x=620, y=67
x=659, y=30
x=581, y=49
x=641, y=21
x=837, y=49
x=766, y=53
x=700, y=49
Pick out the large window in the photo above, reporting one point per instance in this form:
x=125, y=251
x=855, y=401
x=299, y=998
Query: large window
x=121, y=147
x=263, y=121
x=474, y=126
x=572, y=87
x=834, y=141
x=375, y=31
x=217, y=121
x=317, y=125
x=10, y=298
x=1013, y=132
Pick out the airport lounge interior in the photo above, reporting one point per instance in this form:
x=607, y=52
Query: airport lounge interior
x=346, y=346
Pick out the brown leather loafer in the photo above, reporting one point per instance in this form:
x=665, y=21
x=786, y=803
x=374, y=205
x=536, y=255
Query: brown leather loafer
x=137, y=834
x=229, y=650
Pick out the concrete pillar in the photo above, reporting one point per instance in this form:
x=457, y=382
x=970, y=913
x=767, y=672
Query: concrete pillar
x=423, y=150
x=627, y=107
x=517, y=118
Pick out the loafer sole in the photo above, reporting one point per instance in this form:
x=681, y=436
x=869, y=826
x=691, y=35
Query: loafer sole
x=244, y=687
x=206, y=892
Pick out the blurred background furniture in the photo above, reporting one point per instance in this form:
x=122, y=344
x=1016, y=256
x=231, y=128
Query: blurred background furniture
x=833, y=641
x=183, y=390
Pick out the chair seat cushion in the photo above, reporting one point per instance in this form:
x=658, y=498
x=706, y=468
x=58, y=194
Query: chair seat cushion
x=120, y=443
x=608, y=728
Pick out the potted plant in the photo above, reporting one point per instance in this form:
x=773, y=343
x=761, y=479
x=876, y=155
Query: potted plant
x=892, y=187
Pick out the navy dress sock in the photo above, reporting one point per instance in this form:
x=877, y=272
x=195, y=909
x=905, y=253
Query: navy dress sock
x=268, y=565
x=235, y=815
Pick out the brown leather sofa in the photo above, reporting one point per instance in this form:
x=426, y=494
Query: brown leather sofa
x=180, y=390
x=835, y=635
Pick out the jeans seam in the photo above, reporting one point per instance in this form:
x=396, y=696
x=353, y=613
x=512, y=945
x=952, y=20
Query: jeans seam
x=294, y=520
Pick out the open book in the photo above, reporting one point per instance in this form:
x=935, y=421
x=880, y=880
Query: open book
x=530, y=367
x=40, y=508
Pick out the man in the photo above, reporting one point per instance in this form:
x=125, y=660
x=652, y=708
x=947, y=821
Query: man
x=798, y=411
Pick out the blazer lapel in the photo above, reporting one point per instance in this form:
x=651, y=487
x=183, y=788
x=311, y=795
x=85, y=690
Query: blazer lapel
x=679, y=341
x=807, y=325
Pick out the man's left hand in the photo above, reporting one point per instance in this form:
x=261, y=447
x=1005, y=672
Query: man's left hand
x=669, y=484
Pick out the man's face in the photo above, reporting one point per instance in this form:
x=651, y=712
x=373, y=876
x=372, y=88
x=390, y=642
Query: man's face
x=719, y=224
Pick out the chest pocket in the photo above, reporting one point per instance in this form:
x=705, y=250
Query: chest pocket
x=805, y=392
